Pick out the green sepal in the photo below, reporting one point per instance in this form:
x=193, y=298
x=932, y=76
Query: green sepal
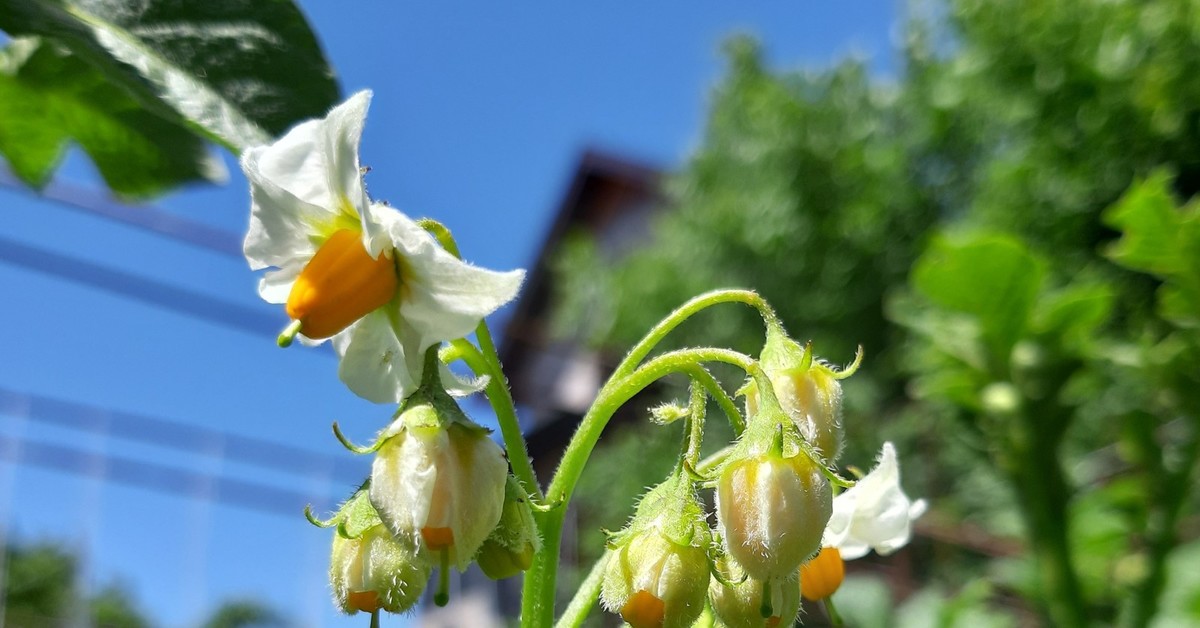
x=780, y=352
x=358, y=515
x=673, y=510
x=510, y=547
x=358, y=449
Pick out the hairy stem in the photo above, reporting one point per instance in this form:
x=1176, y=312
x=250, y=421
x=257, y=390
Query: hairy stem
x=506, y=415
x=537, y=603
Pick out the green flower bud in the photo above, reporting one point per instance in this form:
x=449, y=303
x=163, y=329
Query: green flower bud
x=509, y=549
x=739, y=603
x=438, y=478
x=370, y=570
x=773, y=499
x=809, y=392
x=657, y=575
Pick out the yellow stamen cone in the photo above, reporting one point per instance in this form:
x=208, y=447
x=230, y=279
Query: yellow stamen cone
x=821, y=576
x=339, y=285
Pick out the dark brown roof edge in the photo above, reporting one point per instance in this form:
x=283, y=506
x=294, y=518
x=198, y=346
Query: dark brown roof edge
x=592, y=162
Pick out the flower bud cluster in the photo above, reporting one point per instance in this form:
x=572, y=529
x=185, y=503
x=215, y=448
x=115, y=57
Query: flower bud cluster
x=779, y=526
x=439, y=495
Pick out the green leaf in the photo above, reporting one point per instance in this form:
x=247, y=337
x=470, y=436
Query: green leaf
x=1149, y=221
x=1073, y=314
x=49, y=97
x=237, y=71
x=1163, y=240
x=994, y=279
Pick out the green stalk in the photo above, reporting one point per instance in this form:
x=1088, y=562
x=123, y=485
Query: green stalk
x=695, y=437
x=701, y=376
x=485, y=361
x=585, y=598
x=537, y=603
x=685, y=311
x=506, y=415
x=1036, y=476
x=1166, y=494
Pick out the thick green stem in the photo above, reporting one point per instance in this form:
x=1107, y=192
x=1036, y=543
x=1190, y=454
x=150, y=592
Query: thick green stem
x=1042, y=491
x=538, y=590
x=537, y=604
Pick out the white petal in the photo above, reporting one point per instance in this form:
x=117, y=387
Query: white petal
x=403, y=477
x=343, y=132
x=478, y=483
x=875, y=513
x=317, y=161
x=276, y=285
x=376, y=364
x=444, y=298
x=280, y=224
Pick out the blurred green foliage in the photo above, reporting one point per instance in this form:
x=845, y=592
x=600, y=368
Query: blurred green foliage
x=1000, y=227
x=41, y=589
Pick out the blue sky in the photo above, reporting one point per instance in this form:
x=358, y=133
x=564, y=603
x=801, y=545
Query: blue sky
x=480, y=113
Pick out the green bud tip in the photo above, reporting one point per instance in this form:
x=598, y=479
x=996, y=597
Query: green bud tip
x=442, y=597
x=288, y=334
x=765, y=608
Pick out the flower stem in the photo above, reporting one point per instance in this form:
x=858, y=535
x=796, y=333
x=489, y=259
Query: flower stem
x=506, y=416
x=585, y=597
x=685, y=311
x=537, y=603
x=834, y=618
x=487, y=362
x=695, y=438
x=700, y=375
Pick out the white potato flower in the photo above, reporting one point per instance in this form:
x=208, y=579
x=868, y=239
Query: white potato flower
x=359, y=272
x=874, y=513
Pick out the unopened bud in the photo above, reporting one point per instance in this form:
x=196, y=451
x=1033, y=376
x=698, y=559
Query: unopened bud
x=773, y=511
x=509, y=549
x=370, y=570
x=658, y=573
x=739, y=602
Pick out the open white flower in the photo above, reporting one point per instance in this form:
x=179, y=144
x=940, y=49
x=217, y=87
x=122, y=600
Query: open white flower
x=360, y=272
x=874, y=513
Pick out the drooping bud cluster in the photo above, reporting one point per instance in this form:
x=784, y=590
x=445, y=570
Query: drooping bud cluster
x=778, y=522
x=389, y=292
x=439, y=495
